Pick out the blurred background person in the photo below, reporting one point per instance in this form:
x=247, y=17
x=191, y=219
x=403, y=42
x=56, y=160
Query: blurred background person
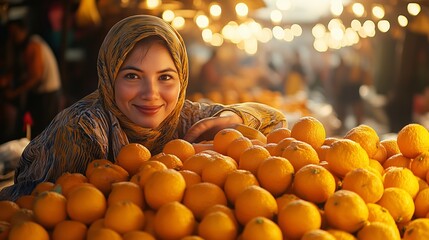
x=295, y=81
x=35, y=84
x=347, y=80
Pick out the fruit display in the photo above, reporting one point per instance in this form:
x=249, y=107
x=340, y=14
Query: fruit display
x=293, y=183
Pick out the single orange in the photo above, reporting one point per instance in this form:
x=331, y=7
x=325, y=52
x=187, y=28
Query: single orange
x=365, y=183
x=124, y=216
x=420, y=165
x=217, y=225
x=318, y=234
x=169, y=160
x=42, y=186
x=252, y=157
x=49, y=208
x=378, y=230
x=300, y=154
x=345, y=155
x=346, y=210
x=129, y=191
x=222, y=208
x=391, y=146
x=278, y=134
x=341, y=235
x=223, y=138
x=131, y=156
x=275, y=174
x=381, y=153
x=252, y=202
x=412, y=140
x=199, y=197
x=402, y=178
x=86, y=204
x=164, y=186
x=417, y=229
x=97, y=224
x=261, y=228
x=26, y=229
x=314, y=183
x=366, y=136
x=298, y=217
x=237, y=147
x=310, y=130
x=236, y=182
x=22, y=215
x=69, y=230
x=174, y=221
x=399, y=203
x=25, y=201
x=190, y=177
x=138, y=235
x=104, y=233
x=377, y=213
x=180, y=148
x=8, y=208
x=397, y=160
x=284, y=199
x=422, y=203
x=218, y=169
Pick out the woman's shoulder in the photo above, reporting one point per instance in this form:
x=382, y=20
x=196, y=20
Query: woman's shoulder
x=86, y=113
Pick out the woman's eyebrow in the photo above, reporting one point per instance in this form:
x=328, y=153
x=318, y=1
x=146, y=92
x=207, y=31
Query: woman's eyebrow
x=130, y=68
x=168, y=70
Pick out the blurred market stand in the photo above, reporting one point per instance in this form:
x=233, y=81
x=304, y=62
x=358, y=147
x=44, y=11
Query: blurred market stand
x=389, y=38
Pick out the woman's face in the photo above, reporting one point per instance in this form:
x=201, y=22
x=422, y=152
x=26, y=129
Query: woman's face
x=147, y=85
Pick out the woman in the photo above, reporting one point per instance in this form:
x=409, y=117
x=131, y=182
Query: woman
x=143, y=74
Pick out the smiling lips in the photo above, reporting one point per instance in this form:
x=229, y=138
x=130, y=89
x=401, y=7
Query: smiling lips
x=149, y=110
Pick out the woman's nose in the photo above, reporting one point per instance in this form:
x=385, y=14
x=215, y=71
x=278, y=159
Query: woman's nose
x=149, y=89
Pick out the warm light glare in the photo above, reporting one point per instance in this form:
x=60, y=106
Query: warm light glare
x=356, y=25
x=207, y=35
x=413, y=8
x=241, y=9
x=358, y=9
x=402, y=20
x=276, y=16
x=168, y=15
x=152, y=4
x=283, y=5
x=288, y=35
x=202, y=21
x=383, y=25
x=215, y=10
x=265, y=35
x=278, y=32
x=318, y=30
x=337, y=7
x=296, y=30
x=217, y=40
x=178, y=23
x=378, y=12
x=320, y=45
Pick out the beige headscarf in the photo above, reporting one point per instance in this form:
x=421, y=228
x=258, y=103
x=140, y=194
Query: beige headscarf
x=118, y=42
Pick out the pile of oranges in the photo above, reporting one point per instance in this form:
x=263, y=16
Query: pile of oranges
x=296, y=183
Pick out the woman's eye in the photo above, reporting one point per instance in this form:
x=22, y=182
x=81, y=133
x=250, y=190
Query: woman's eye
x=131, y=76
x=165, y=77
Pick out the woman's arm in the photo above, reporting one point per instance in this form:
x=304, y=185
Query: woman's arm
x=200, y=119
